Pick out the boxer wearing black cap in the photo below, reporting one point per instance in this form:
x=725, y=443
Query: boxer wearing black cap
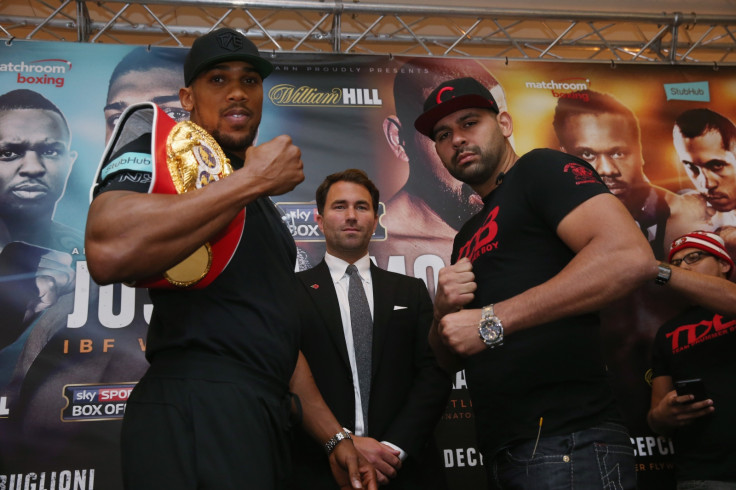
x=516, y=309
x=219, y=46
x=213, y=409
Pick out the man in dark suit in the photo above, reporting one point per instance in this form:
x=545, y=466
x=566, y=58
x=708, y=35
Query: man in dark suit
x=392, y=411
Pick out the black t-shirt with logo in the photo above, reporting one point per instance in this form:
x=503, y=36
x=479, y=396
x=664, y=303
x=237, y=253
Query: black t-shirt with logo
x=554, y=370
x=699, y=343
x=246, y=313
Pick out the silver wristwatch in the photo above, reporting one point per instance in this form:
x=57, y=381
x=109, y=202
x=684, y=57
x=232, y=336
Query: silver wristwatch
x=490, y=328
x=664, y=272
x=334, y=440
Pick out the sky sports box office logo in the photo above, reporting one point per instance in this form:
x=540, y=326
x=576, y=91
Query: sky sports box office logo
x=38, y=72
x=95, y=402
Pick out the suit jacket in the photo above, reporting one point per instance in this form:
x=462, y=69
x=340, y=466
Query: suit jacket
x=409, y=391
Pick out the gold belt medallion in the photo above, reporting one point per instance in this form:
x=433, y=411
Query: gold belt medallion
x=194, y=160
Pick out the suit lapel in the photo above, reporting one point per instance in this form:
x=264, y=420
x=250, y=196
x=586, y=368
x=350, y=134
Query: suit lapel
x=322, y=291
x=384, y=286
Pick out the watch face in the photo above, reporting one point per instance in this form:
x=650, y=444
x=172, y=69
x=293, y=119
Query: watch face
x=489, y=331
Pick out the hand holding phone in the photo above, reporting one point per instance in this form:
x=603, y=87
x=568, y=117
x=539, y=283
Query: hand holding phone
x=694, y=387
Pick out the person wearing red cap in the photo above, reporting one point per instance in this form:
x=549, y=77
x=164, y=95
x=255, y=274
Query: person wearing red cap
x=698, y=343
x=424, y=215
x=212, y=411
x=517, y=309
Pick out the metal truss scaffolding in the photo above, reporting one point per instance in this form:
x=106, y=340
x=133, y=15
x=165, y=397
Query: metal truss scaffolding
x=399, y=29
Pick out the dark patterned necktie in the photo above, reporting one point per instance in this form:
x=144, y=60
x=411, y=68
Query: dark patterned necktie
x=362, y=326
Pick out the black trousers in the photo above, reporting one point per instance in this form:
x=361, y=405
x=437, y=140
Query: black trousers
x=201, y=421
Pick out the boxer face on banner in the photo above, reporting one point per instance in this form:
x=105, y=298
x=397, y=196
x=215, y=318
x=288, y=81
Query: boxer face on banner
x=609, y=143
x=158, y=85
x=35, y=161
x=710, y=166
x=226, y=101
x=152, y=75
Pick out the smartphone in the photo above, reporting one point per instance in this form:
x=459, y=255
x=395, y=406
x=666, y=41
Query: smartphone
x=693, y=386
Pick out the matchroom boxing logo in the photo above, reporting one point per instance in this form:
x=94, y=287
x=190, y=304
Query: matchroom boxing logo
x=38, y=72
x=567, y=88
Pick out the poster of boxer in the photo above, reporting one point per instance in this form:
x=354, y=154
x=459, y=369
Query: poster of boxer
x=71, y=351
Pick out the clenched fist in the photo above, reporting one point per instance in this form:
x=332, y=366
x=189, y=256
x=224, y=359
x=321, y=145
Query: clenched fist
x=276, y=165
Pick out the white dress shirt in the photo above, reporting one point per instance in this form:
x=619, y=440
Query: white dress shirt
x=341, y=281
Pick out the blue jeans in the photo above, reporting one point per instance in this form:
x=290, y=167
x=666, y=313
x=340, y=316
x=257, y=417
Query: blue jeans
x=596, y=458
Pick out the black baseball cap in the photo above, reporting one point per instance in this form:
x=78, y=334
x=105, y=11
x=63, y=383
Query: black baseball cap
x=451, y=96
x=224, y=44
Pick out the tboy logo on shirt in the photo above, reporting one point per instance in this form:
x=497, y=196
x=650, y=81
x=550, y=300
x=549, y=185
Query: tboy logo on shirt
x=482, y=241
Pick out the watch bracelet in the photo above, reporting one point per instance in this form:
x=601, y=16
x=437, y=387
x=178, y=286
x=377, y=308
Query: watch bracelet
x=488, y=313
x=333, y=441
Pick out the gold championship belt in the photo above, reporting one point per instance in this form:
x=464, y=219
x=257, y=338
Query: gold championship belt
x=194, y=159
x=186, y=158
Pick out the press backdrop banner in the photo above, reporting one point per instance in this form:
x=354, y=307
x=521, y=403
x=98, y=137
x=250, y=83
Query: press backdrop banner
x=71, y=351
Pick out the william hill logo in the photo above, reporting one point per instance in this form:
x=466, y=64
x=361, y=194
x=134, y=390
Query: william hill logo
x=290, y=95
